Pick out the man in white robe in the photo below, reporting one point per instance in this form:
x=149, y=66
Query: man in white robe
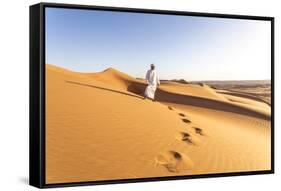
x=152, y=81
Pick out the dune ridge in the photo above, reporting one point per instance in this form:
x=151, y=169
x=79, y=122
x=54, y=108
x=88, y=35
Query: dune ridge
x=98, y=125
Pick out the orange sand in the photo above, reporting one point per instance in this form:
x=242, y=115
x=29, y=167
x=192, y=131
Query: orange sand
x=98, y=127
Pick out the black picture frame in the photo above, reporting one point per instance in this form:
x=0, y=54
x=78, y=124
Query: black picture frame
x=37, y=94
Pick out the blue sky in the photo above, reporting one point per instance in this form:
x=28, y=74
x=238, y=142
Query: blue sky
x=181, y=47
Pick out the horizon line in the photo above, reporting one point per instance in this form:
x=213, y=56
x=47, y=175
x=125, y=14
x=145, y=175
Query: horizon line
x=160, y=78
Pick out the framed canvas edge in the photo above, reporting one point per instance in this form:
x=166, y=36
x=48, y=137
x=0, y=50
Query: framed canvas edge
x=40, y=92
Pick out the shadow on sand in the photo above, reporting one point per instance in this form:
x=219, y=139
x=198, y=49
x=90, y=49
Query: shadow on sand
x=164, y=96
x=101, y=88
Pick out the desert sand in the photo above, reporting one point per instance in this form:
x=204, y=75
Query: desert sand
x=99, y=127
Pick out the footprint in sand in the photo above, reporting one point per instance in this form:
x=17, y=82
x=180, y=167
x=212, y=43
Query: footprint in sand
x=187, y=138
x=186, y=120
x=183, y=136
x=198, y=130
x=174, y=161
x=181, y=114
x=170, y=108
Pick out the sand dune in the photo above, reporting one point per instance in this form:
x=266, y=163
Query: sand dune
x=99, y=127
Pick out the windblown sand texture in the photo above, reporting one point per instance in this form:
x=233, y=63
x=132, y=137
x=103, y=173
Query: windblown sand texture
x=99, y=127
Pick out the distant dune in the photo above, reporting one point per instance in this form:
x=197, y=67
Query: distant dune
x=253, y=89
x=99, y=127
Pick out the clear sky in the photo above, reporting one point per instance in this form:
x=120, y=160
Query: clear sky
x=181, y=47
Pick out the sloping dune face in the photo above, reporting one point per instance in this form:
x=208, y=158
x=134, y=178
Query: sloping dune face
x=99, y=127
